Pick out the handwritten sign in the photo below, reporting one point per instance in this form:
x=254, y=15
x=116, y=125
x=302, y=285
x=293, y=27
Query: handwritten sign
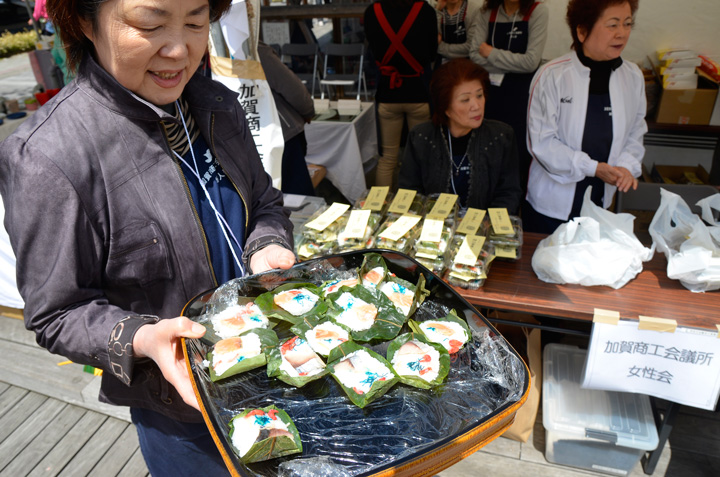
x=402, y=202
x=681, y=366
x=376, y=198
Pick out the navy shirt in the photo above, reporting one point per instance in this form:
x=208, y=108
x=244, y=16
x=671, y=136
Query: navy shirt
x=228, y=203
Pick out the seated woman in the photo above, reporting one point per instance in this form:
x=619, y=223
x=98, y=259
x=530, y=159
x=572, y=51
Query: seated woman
x=460, y=152
x=585, y=118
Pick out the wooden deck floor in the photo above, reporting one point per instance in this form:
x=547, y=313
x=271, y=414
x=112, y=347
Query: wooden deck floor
x=52, y=424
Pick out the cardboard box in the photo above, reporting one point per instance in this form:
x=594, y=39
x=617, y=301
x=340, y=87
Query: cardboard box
x=696, y=175
x=601, y=431
x=688, y=106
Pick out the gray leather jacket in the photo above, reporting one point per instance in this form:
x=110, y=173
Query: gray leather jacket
x=104, y=228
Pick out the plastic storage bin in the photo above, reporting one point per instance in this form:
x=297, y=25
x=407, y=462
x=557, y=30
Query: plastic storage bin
x=598, y=430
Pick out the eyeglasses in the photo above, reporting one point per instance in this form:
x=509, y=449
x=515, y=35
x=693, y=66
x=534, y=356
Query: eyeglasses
x=614, y=26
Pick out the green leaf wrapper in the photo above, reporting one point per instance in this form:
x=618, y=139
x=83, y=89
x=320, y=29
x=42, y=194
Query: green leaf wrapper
x=388, y=322
x=411, y=379
x=378, y=386
x=271, y=447
x=267, y=304
x=420, y=291
x=275, y=361
x=310, y=323
x=268, y=341
x=452, y=318
x=371, y=261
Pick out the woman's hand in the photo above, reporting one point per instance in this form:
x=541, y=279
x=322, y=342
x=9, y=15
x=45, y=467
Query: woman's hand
x=606, y=173
x=272, y=256
x=626, y=180
x=485, y=49
x=161, y=343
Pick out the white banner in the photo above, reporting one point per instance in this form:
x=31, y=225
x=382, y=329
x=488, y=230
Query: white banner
x=681, y=366
x=244, y=74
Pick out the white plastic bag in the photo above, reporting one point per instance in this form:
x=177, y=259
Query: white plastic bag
x=707, y=205
x=692, y=255
x=597, y=248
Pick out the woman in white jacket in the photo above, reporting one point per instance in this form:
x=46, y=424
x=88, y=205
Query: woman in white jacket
x=585, y=117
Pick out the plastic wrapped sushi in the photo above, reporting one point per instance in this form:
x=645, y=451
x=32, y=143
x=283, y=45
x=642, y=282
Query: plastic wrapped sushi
x=237, y=319
x=262, y=434
x=363, y=374
x=373, y=270
x=508, y=247
x=238, y=354
x=307, y=248
x=292, y=302
x=367, y=313
x=469, y=276
x=322, y=335
x=451, y=331
x=295, y=362
x=367, y=241
x=417, y=361
x=403, y=244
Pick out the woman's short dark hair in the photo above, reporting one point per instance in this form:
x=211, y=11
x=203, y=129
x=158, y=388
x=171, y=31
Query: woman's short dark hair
x=448, y=76
x=67, y=16
x=493, y=4
x=585, y=13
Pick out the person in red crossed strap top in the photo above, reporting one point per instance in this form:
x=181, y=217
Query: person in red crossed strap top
x=402, y=35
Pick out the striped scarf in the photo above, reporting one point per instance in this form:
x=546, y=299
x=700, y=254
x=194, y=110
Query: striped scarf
x=176, y=133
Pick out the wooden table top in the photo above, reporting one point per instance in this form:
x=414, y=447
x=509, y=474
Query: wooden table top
x=513, y=286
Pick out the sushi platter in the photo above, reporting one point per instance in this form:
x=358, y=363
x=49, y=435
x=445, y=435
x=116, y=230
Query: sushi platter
x=361, y=363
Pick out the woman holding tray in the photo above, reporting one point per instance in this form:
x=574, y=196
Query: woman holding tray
x=133, y=190
x=460, y=151
x=586, y=117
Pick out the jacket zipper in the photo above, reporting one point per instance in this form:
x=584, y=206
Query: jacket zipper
x=145, y=245
x=192, y=206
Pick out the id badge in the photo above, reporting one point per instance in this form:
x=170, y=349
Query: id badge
x=496, y=79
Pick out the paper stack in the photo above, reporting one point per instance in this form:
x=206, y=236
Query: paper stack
x=677, y=68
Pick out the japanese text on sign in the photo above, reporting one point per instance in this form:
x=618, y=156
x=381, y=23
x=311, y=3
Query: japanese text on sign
x=678, y=366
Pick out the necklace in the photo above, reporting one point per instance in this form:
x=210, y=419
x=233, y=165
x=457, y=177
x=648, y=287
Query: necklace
x=456, y=167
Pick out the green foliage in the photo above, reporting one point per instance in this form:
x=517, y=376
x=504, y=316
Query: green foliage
x=14, y=43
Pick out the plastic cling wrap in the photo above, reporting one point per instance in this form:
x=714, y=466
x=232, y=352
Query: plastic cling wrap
x=486, y=381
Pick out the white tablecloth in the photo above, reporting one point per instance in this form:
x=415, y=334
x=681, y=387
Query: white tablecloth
x=9, y=295
x=343, y=148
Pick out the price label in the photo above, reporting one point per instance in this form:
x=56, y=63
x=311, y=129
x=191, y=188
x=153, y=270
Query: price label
x=443, y=206
x=431, y=231
x=400, y=227
x=505, y=251
x=501, y=223
x=328, y=217
x=471, y=222
x=376, y=198
x=470, y=250
x=357, y=224
x=402, y=202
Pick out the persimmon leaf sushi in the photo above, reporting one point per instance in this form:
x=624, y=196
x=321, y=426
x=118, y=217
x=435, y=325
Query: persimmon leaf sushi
x=373, y=270
x=262, y=434
x=417, y=361
x=292, y=302
x=295, y=362
x=322, y=334
x=242, y=353
x=331, y=286
x=237, y=319
x=451, y=331
x=405, y=296
x=367, y=313
x=363, y=374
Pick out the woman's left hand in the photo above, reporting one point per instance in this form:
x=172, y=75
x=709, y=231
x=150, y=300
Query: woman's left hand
x=272, y=256
x=625, y=180
x=485, y=49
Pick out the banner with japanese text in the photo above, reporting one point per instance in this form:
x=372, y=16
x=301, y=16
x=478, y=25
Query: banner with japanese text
x=681, y=366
